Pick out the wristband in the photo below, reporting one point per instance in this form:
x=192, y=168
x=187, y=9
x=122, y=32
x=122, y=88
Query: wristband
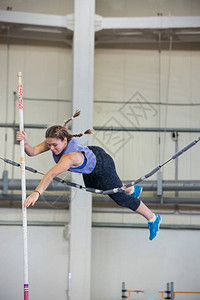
x=37, y=192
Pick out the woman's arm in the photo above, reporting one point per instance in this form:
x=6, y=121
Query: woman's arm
x=31, y=151
x=63, y=165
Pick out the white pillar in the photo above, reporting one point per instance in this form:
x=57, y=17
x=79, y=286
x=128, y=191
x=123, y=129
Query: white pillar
x=81, y=202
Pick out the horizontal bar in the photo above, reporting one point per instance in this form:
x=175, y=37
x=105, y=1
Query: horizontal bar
x=101, y=128
x=32, y=223
x=149, y=185
x=104, y=199
x=100, y=224
x=12, y=125
x=31, y=184
x=152, y=200
x=136, y=225
x=179, y=292
x=146, y=129
x=186, y=292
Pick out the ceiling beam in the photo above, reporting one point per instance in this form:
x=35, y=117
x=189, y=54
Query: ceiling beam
x=35, y=19
x=158, y=22
x=67, y=22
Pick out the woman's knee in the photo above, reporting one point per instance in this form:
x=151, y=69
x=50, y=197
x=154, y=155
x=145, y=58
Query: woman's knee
x=126, y=201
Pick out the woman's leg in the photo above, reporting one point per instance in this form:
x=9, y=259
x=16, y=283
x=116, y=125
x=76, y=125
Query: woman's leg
x=105, y=177
x=145, y=211
x=142, y=209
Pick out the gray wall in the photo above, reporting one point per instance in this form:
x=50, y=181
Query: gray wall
x=118, y=254
x=48, y=263
x=128, y=256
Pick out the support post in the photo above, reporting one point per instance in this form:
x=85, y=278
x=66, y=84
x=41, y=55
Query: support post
x=172, y=290
x=123, y=291
x=5, y=182
x=168, y=292
x=81, y=202
x=159, y=184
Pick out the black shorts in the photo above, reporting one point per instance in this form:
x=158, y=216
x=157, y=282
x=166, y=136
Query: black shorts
x=105, y=177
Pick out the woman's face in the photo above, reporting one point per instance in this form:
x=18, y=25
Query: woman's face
x=56, y=145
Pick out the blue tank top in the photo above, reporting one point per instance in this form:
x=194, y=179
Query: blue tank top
x=75, y=146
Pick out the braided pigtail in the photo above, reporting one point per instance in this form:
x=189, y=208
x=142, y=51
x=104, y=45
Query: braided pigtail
x=77, y=113
x=88, y=131
x=60, y=132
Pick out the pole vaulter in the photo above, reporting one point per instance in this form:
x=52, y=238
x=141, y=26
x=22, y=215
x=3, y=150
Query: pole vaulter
x=95, y=165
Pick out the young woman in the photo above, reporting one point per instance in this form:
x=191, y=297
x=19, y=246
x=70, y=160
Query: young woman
x=96, y=166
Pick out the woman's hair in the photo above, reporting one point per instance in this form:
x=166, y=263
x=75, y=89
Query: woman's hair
x=60, y=132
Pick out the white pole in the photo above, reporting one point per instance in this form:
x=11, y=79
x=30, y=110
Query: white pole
x=23, y=186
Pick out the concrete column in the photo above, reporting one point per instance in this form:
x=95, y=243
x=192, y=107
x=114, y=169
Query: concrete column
x=81, y=202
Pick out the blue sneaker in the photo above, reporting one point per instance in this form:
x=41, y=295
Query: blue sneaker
x=137, y=191
x=154, y=227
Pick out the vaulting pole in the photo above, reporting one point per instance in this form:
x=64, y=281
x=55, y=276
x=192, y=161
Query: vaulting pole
x=23, y=186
